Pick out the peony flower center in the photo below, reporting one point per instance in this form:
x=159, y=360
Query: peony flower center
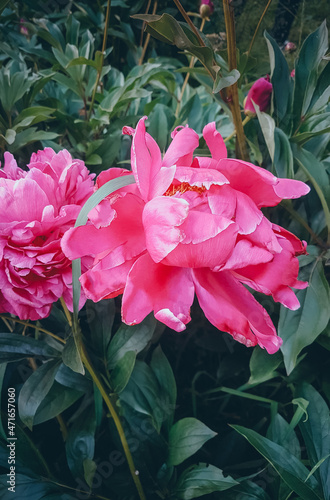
x=183, y=188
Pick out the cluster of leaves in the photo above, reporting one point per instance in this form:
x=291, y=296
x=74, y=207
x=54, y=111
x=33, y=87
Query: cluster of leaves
x=57, y=89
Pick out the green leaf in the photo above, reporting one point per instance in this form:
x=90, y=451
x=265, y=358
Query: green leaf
x=166, y=29
x=80, y=444
x=280, y=432
x=30, y=135
x=267, y=125
x=158, y=126
x=14, y=347
x=78, y=61
x=167, y=385
x=71, y=356
x=300, y=328
x=100, y=317
x=247, y=490
x=130, y=338
x=289, y=468
x=35, y=390
x=283, y=157
x=89, y=471
x=122, y=371
x=199, y=480
x=263, y=365
x=280, y=78
x=306, y=70
x=10, y=136
x=3, y=4
x=142, y=391
x=227, y=80
x=107, y=188
x=316, y=433
x=25, y=487
x=57, y=400
x=322, y=91
x=185, y=438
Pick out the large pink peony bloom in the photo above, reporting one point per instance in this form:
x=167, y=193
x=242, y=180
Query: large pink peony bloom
x=36, y=208
x=191, y=226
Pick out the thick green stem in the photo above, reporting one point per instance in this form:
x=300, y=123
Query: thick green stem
x=232, y=91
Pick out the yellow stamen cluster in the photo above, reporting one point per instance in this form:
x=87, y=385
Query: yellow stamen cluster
x=183, y=188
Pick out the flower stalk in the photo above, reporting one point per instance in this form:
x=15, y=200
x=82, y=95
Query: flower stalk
x=109, y=400
x=232, y=91
x=99, y=71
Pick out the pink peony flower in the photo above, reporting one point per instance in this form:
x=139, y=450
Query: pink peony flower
x=191, y=225
x=37, y=207
x=260, y=93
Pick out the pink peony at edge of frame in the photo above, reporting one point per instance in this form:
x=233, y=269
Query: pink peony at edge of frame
x=37, y=207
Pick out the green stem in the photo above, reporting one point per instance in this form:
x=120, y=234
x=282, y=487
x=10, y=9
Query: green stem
x=30, y=325
x=258, y=26
x=232, y=91
x=111, y=407
x=191, y=65
x=245, y=121
x=189, y=22
x=99, y=71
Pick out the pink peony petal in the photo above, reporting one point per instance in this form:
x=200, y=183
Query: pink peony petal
x=180, y=151
x=214, y=141
x=167, y=291
x=264, y=188
x=162, y=218
x=231, y=308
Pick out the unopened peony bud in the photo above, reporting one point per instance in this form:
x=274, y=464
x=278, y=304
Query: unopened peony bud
x=206, y=8
x=290, y=47
x=260, y=93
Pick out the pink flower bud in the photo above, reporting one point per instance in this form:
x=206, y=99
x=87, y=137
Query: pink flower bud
x=260, y=93
x=292, y=74
x=290, y=47
x=206, y=8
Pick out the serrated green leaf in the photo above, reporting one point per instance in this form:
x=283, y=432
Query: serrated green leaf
x=200, y=480
x=185, y=438
x=35, y=390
